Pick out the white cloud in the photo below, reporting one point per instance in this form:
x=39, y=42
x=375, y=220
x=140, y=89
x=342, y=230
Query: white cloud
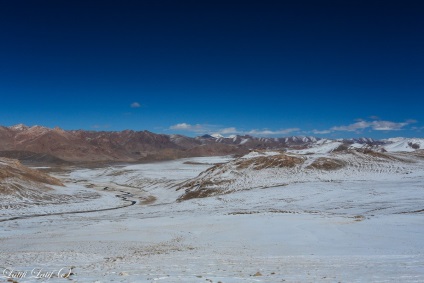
x=377, y=125
x=231, y=130
x=181, y=126
x=417, y=129
x=352, y=127
x=135, y=105
x=188, y=127
x=360, y=125
x=266, y=132
x=387, y=125
x=205, y=128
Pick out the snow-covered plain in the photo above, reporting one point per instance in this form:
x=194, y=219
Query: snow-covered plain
x=361, y=223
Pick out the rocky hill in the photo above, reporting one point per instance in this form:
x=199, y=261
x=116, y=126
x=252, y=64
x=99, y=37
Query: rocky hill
x=19, y=183
x=265, y=169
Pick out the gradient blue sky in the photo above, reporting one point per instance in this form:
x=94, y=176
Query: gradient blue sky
x=266, y=68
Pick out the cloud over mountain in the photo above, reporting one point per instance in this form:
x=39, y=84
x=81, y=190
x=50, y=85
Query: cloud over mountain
x=203, y=128
x=375, y=124
x=267, y=132
x=188, y=127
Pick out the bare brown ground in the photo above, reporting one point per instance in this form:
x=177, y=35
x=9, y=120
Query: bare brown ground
x=16, y=174
x=419, y=153
x=324, y=163
x=273, y=161
x=203, y=188
x=148, y=200
x=202, y=193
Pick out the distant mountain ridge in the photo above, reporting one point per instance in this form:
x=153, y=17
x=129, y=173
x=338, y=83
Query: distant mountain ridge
x=56, y=145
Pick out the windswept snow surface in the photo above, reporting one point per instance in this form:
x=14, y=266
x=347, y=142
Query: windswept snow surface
x=72, y=198
x=361, y=223
x=261, y=153
x=321, y=146
x=404, y=144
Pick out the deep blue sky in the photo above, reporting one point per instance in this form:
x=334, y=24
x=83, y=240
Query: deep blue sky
x=276, y=68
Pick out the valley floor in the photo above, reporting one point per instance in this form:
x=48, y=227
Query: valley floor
x=342, y=230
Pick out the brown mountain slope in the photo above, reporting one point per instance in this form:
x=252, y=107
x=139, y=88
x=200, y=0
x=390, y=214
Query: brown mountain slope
x=19, y=180
x=128, y=145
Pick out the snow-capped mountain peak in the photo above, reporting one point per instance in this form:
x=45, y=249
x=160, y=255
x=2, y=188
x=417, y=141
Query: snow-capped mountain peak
x=19, y=127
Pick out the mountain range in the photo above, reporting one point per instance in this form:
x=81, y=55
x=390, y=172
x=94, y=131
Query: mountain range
x=55, y=145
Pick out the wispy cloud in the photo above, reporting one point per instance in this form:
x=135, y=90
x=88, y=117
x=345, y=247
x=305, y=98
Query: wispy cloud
x=189, y=128
x=203, y=128
x=375, y=124
x=352, y=127
x=267, y=132
x=318, y=132
x=417, y=129
x=230, y=130
x=135, y=105
x=213, y=129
